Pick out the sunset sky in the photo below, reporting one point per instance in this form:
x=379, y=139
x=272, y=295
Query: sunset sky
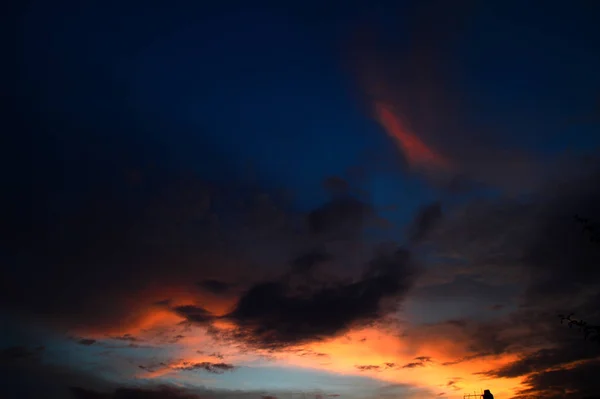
x=299, y=200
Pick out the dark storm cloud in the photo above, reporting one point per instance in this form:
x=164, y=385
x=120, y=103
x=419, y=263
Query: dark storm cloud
x=86, y=341
x=215, y=286
x=272, y=314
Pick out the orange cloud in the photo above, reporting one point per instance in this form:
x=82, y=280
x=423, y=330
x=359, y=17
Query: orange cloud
x=418, y=154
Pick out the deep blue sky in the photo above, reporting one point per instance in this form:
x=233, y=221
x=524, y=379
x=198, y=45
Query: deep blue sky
x=216, y=88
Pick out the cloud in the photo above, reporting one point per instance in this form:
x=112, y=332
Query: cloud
x=306, y=262
x=162, y=392
x=271, y=314
x=20, y=353
x=568, y=383
x=336, y=185
x=215, y=286
x=215, y=368
x=86, y=341
x=411, y=84
x=368, y=367
x=420, y=361
x=194, y=314
x=153, y=367
x=426, y=219
x=340, y=216
x=547, y=265
x=104, y=236
x=125, y=337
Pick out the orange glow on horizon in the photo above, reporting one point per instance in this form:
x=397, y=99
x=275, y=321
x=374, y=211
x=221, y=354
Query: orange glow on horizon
x=374, y=346
x=382, y=348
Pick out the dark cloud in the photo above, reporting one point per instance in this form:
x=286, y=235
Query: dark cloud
x=82, y=393
x=215, y=286
x=424, y=359
x=35, y=379
x=86, y=341
x=454, y=384
x=336, y=185
x=162, y=392
x=102, y=235
x=88, y=222
x=420, y=361
x=569, y=383
x=340, y=216
x=153, y=367
x=311, y=353
x=215, y=368
x=413, y=365
x=194, y=314
x=126, y=337
x=271, y=314
x=426, y=219
x=307, y=261
x=536, y=246
x=570, y=350
x=368, y=367
x=20, y=353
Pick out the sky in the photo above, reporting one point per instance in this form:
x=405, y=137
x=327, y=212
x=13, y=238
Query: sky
x=292, y=200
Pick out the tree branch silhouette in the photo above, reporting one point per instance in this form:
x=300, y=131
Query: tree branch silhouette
x=591, y=332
